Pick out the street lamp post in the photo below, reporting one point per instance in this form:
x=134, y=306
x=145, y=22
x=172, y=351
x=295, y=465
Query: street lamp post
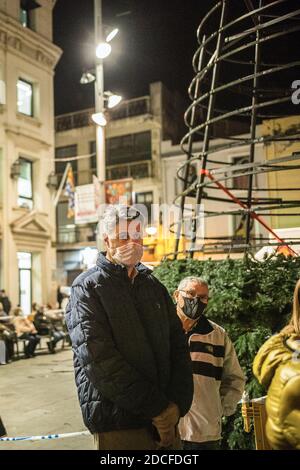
x=99, y=101
x=102, y=50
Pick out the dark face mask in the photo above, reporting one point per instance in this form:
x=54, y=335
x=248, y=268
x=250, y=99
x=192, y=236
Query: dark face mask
x=193, y=308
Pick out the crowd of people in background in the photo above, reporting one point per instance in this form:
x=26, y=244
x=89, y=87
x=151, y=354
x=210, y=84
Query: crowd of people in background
x=43, y=321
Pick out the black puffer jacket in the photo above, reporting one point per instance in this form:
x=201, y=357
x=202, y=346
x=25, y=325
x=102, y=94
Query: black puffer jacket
x=130, y=354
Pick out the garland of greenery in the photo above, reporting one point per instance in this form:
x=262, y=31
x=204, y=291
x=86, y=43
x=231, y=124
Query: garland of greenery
x=252, y=300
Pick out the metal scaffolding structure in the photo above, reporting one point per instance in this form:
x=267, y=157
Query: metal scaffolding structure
x=244, y=67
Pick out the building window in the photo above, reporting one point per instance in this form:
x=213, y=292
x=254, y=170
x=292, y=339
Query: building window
x=142, y=145
x=128, y=148
x=25, y=193
x=144, y=202
x=25, y=281
x=62, y=215
x=25, y=97
x=178, y=186
x=2, y=84
x=65, y=152
x=239, y=225
x=66, y=228
x=26, y=11
x=240, y=182
x=24, y=18
x=93, y=159
x=192, y=175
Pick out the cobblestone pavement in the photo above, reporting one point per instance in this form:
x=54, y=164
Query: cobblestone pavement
x=38, y=396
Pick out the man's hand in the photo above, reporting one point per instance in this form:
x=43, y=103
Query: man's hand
x=165, y=424
x=167, y=438
x=168, y=418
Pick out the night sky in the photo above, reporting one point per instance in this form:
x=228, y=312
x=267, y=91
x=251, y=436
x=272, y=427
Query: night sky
x=156, y=42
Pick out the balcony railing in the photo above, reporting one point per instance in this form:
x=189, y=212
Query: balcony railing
x=136, y=170
x=125, y=109
x=68, y=235
x=69, y=121
x=130, y=108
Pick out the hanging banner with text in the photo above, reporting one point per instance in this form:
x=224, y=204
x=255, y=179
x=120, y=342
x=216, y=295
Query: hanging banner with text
x=85, y=206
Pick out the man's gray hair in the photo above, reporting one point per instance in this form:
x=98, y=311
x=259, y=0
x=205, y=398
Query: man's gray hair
x=185, y=281
x=114, y=213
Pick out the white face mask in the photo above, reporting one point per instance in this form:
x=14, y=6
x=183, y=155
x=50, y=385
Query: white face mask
x=129, y=254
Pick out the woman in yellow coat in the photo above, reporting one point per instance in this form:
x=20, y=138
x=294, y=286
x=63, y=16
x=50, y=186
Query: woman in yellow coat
x=277, y=367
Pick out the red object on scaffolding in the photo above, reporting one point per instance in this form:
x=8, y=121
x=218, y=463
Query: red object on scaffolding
x=253, y=214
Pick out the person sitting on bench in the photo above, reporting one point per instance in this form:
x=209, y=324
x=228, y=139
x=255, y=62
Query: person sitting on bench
x=25, y=329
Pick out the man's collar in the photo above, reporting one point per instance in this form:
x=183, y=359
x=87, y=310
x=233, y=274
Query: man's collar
x=202, y=326
x=134, y=272
x=116, y=269
x=187, y=323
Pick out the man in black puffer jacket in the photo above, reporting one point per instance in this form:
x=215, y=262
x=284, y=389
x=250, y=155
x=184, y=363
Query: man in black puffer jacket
x=132, y=366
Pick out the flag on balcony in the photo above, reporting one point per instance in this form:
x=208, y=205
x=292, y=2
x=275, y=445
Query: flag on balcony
x=70, y=192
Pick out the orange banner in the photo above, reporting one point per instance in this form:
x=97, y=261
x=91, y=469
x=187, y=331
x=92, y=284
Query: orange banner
x=118, y=191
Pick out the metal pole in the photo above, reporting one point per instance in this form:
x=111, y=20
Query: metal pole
x=189, y=151
x=253, y=128
x=253, y=214
x=210, y=112
x=99, y=100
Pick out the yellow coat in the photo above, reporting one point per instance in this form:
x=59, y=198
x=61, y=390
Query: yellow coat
x=277, y=367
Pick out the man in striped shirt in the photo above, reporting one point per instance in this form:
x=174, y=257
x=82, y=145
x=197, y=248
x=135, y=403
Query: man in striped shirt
x=218, y=378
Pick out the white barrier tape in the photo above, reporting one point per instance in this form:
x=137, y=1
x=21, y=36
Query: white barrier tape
x=42, y=438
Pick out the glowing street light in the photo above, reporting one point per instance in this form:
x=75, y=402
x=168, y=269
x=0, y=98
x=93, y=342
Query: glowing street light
x=87, y=77
x=151, y=231
x=103, y=50
x=99, y=119
x=113, y=100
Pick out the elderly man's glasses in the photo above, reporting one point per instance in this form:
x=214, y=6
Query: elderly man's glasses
x=190, y=295
x=130, y=236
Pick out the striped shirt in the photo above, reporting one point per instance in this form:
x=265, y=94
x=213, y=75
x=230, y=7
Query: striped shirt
x=218, y=382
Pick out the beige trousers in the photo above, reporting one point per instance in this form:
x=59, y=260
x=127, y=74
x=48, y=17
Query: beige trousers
x=131, y=439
